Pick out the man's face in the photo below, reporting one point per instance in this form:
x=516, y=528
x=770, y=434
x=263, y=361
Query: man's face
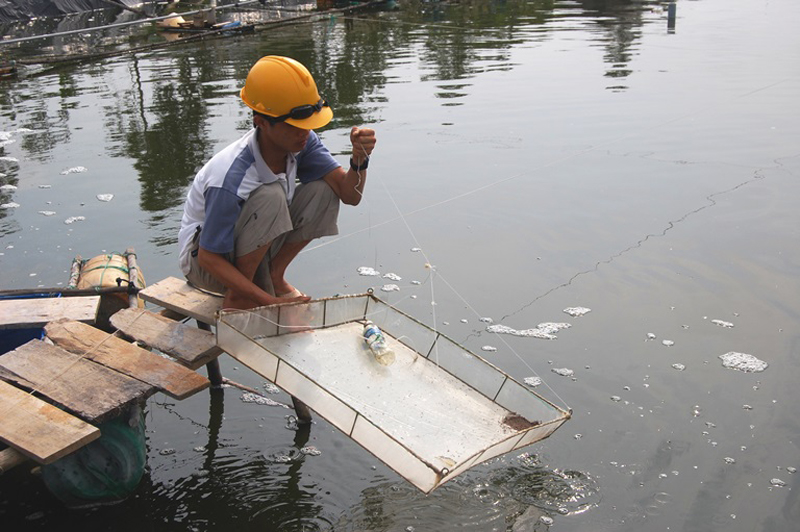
x=284, y=136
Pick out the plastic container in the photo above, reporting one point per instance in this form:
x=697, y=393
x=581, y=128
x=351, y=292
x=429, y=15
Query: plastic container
x=377, y=344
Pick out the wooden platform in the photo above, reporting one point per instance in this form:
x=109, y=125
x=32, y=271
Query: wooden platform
x=31, y=313
x=190, y=346
x=52, y=395
x=38, y=429
x=177, y=295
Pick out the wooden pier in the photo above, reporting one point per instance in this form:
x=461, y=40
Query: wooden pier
x=55, y=391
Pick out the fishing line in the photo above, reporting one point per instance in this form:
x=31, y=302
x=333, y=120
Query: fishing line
x=498, y=182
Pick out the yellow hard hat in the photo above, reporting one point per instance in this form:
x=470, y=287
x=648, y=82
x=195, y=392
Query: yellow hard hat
x=283, y=88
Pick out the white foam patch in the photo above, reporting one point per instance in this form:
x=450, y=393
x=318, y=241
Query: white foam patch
x=533, y=382
x=367, y=271
x=73, y=219
x=8, y=188
x=577, y=311
x=105, y=197
x=249, y=397
x=726, y=324
x=743, y=362
x=544, y=331
x=390, y=288
x=74, y=170
x=11, y=205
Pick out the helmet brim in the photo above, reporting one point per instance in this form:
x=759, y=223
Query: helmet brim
x=317, y=120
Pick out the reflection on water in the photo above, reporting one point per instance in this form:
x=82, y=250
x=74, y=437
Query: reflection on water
x=549, y=157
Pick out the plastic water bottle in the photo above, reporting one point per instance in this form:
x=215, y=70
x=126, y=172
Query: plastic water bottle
x=377, y=344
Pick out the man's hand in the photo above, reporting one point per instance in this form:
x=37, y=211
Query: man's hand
x=363, y=140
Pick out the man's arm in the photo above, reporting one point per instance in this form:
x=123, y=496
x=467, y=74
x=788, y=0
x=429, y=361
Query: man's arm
x=349, y=185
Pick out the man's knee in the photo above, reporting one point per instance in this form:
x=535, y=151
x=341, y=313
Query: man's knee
x=318, y=191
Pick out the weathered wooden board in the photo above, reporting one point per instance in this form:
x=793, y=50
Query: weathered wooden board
x=191, y=346
x=117, y=354
x=20, y=313
x=38, y=429
x=176, y=294
x=92, y=392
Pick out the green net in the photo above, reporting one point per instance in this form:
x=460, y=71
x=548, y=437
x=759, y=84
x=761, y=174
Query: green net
x=106, y=470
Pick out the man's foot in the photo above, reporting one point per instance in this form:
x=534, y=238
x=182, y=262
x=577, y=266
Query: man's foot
x=292, y=295
x=294, y=292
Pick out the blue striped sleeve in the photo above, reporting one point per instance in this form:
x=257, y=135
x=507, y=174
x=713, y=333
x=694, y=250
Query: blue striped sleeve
x=315, y=160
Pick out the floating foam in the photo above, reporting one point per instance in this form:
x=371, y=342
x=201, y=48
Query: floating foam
x=249, y=397
x=310, y=450
x=73, y=219
x=577, y=311
x=8, y=188
x=11, y=205
x=105, y=197
x=564, y=372
x=726, y=324
x=533, y=382
x=74, y=170
x=366, y=270
x=544, y=331
x=392, y=277
x=743, y=362
x=390, y=288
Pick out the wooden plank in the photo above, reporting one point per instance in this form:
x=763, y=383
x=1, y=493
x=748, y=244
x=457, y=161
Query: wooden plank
x=23, y=313
x=176, y=294
x=38, y=429
x=9, y=458
x=191, y=346
x=119, y=355
x=90, y=391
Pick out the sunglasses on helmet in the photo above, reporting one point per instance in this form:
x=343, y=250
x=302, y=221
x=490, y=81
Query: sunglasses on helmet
x=302, y=112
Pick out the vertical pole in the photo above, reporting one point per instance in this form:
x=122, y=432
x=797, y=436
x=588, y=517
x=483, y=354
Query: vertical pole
x=133, y=278
x=672, y=11
x=214, y=372
x=212, y=13
x=75, y=272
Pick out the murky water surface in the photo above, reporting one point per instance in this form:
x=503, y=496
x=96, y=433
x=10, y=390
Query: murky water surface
x=534, y=156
